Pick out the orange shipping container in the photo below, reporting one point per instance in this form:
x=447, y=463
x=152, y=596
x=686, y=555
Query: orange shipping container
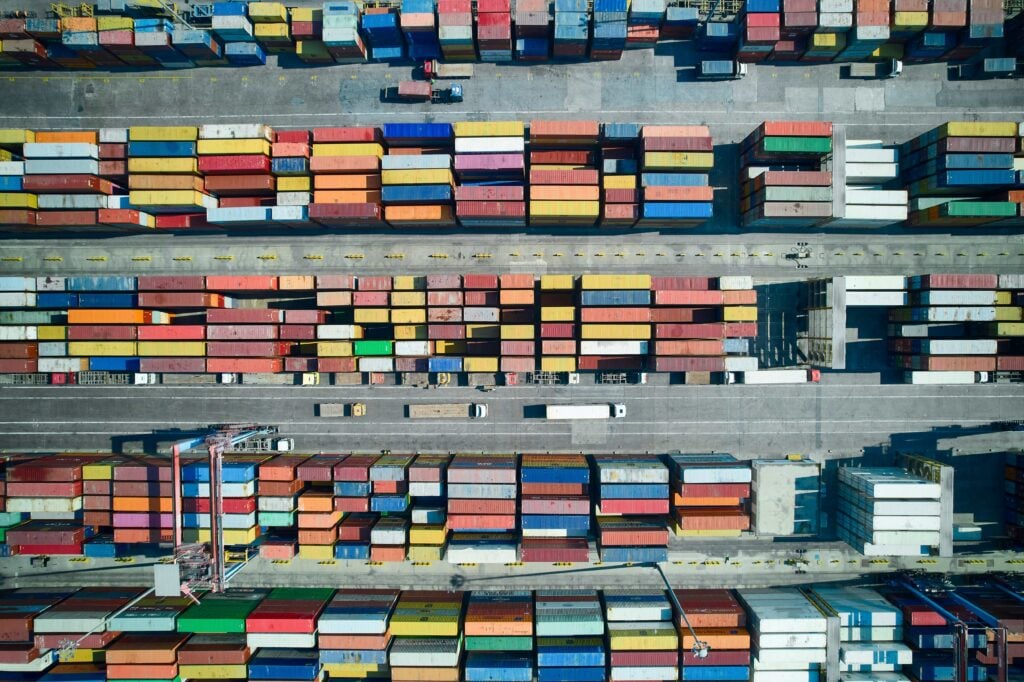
x=316, y=502
x=740, y=297
x=564, y=129
x=280, y=149
x=328, y=299
x=189, y=182
x=679, y=194
x=387, y=553
x=155, y=671
x=325, y=536
x=709, y=347
x=675, y=131
x=500, y=625
x=410, y=214
x=516, y=297
x=344, y=164
x=711, y=518
x=319, y=520
x=354, y=181
x=68, y=136
x=296, y=282
x=517, y=281
x=425, y=674
x=137, y=535
x=718, y=639
x=144, y=504
x=346, y=197
x=102, y=316
x=565, y=192
x=680, y=501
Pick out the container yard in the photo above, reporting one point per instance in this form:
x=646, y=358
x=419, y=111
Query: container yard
x=512, y=341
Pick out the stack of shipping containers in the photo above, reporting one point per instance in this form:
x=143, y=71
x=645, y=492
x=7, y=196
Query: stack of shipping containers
x=644, y=25
x=455, y=30
x=570, y=636
x=620, y=196
x=482, y=492
x=341, y=33
x=786, y=497
x=235, y=161
x=799, y=20
x=761, y=30
x=888, y=512
x=564, y=178
x=494, y=30
x=870, y=630
x=490, y=167
x=622, y=302
x=427, y=636
x=787, y=635
x=642, y=638
x=388, y=539
x=61, y=180
x=428, y=534
x=346, y=170
x=632, y=503
x=353, y=634
x=308, y=31
x=270, y=26
x=415, y=196
x=610, y=30
x=499, y=636
x=533, y=30
x=418, y=22
x=870, y=29
x=677, y=190
x=289, y=165
x=558, y=326
x=909, y=19
x=719, y=620
x=554, y=508
x=163, y=171
x=869, y=166
x=782, y=174
x=518, y=329
x=572, y=29
x=710, y=496
x=381, y=29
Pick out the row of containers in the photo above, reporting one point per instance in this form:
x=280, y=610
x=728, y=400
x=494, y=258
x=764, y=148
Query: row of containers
x=893, y=632
x=461, y=509
x=343, y=324
x=244, y=34
x=483, y=175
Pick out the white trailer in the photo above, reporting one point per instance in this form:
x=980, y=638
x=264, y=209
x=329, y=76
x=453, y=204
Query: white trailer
x=947, y=378
x=601, y=411
x=775, y=376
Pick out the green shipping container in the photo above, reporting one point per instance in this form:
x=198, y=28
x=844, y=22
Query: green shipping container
x=364, y=348
x=497, y=643
x=224, y=613
x=278, y=519
x=302, y=593
x=979, y=209
x=924, y=203
x=33, y=317
x=797, y=145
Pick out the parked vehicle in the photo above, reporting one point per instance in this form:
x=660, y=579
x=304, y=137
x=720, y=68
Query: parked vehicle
x=775, y=376
x=447, y=411
x=601, y=411
x=890, y=68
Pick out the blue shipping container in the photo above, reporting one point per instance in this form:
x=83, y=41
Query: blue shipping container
x=554, y=475
x=629, y=491
x=444, y=365
x=415, y=194
x=114, y=364
x=347, y=550
x=570, y=675
x=578, y=653
x=681, y=210
x=107, y=300
x=550, y=521
x=673, y=180
x=100, y=284
x=634, y=554
x=228, y=9
x=352, y=488
x=615, y=297
x=718, y=673
x=177, y=149
x=389, y=503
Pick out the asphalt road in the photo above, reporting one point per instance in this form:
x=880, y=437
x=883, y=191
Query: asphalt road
x=749, y=421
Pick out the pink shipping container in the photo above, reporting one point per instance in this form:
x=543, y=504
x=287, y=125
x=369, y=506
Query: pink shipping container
x=244, y=316
x=245, y=365
x=300, y=365
x=563, y=177
x=699, y=283
x=739, y=297
x=236, y=164
x=248, y=349
x=489, y=162
x=172, y=332
x=305, y=316
x=89, y=332
x=688, y=348
x=517, y=281
x=444, y=298
x=715, y=330
x=444, y=314
x=482, y=298
x=1010, y=363
x=241, y=283
x=444, y=282
x=478, y=506
x=348, y=134
x=370, y=298
x=688, y=364
x=488, y=193
x=613, y=362
x=342, y=282
x=485, y=520
x=558, y=330
x=446, y=331
x=411, y=364
x=736, y=330
x=557, y=347
x=518, y=364
x=555, y=505
x=378, y=283
x=553, y=550
x=958, y=282
x=479, y=282
x=634, y=507
x=588, y=314
x=180, y=299
x=517, y=348
x=684, y=297
x=342, y=365
x=241, y=332
x=490, y=209
x=172, y=365
x=797, y=128
x=297, y=332
x=171, y=283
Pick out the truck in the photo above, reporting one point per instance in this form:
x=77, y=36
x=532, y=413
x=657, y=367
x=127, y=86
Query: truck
x=775, y=376
x=175, y=379
x=599, y=411
x=947, y=378
x=434, y=69
x=447, y=411
x=890, y=68
x=423, y=91
x=991, y=67
x=341, y=410
x=720, y=69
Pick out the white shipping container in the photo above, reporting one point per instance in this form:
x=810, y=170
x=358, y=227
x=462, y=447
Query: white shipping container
x=1011, y=281
x=425, y=489
x=926, y=523
x=341, y=35
x=613, y=347
x=72, y=202
x=647, y=672
x=233, y=521
x=889, y=483
x=456, y=34
x=53, y=349
x=784, y=676
x=62, y=167
x=940, y=378
x=959, y=346
x=63, y=364
x=17, y=284
x=633, y=472
x=17, y=332
x=858, y=196
x=734, y=363
x=236, y=131
x=984, y=297
x=12, y=167
x=275, y=504
x=414, y=162
x=735, y=282
x=957, y=314
x=836, y=20
x=50, y=283
x=434, y=652
x=121, y=201
x=60, y=150
x=338, y=331
x=867, y=299
x=37, y=665
x=876, y=283
x=554, y=532
x=713, y=474
x=788, y=659
x=489, y=491
x=792, y=640
x=489, y=145
x=113, y=135
x=247, y=489
x=481, y=554
x=859, y=154
x=376, y=365
x=412, y=348
x=238, y=214
x=835, y=6
x=293, y=199
x=910, y=538
x=279, y=640
x=872, y=653
x=427, y=515
x=32, y=505
x=480, y=314
x=781, y=610
x=289, y=214
x=871, y=172
x=774, y=376
x=352, y=624
x=225, y=23
x=880, y=508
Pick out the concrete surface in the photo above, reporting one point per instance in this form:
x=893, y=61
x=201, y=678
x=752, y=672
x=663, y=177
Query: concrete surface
x=823, y=420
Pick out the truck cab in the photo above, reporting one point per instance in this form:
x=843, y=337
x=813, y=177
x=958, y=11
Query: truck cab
x=618, y=410
x=479, y=411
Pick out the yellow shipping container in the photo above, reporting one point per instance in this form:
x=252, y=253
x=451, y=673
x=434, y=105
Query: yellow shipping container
x=1009, y=313
x=701, y=160
x=176, y=197
x=575, y=209
x=316, y=552
x=557, y=281
x=978, y=129
x=411, y=333
x=51, y=333
x=163, y=134
x=629, y=332
x=550, y=314
x=449, y=347
x=232, y=536
x=163, y=165
x=553, y=363
x=483, y=331
x=619, y=182
x=355, y=671
x=334, y=349
x=704, y=533
x=1004, y=298
x=101, y=348
x=429, y=176
x=739, y=313
x=489, y=129
x=272, y=32
x=294, y=184
x=348, y=149
x=408, y=316
x=517, y=332
x=16, y=136
x=433, y=534
x=370, y=316
x=156, y=349
x=307, y=14
x=827, y=40
x=479, y=364
x=115, y=23
x=98, y=472
x=261, y=12
x=907, y=20
x=18, y=200
x=642, y=639
x=84, y=656
x=615, y=281
x=212, y=672
x=4, y=154
x=241, y=146
x=425, y=552
x=406, y=299
x=425, y=623
x=1007, y=329
x=408, y=283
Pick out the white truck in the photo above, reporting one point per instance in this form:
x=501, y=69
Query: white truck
x=774, y=376
x=890, y=68
x=947, y=378
x=600, y=411
x=447, y=411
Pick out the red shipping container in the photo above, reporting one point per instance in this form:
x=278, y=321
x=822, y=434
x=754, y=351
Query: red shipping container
x=335, y=282
x=444, y=315
x=1010, y=363
x=678, y=144
x=449, y=332
x=621, y=196
x=66, y=218
x=956, y=282
x=642, y=535
x=517, y=348
x=483, y=520
x=171, y=332
x=234, y=164
x=588, y=130
x=305, y=316
x=661, y=283
x=240, y=185
x=740, y=297
x=180, y=300
x=342, y=365
x=352, y=504
x=657, y=193
x=716, y=330
x=67, y=184
x=289, y=149
x=554, y=505
x=489, y=193
x=248, y=349
x=348, y=134
x=319, y=468
x=21, y=351
x=483, y=298
x=479, y=282
x=355, y=468
x=300, y=365
x=174, y=283
x=17, y=217
x=630, y=212
x=377, y=283
x=344, y=214
x=240, y=283
x=244, y=315
x=490, y=209
x=245, y=365
x=562, y=157
x=558, y=330
x=603, y=362
x=412, y=364
x=564, y=177
x=444, y=298
x=236, y=332
x=297, y=332
x=61, y=550
x=555, y=550
x=481, y=506
x=644, y=658
x=736, y=330
x=17, y=366
x=688, y=364
x=517, y=281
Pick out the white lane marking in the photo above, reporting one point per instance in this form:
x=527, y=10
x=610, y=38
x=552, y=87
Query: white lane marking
x=543, y=399
x=531, y=422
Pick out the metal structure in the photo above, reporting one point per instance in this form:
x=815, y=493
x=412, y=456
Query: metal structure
x=204, y=569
